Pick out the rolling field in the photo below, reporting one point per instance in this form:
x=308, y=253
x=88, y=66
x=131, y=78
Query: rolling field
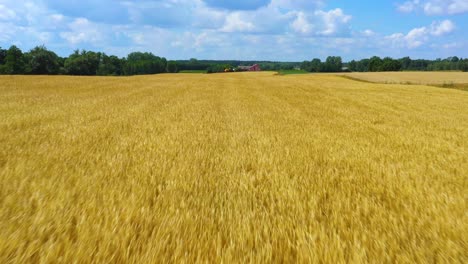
x=193, y=71
x=288, y=72
x=431, y=78
x=239, y=167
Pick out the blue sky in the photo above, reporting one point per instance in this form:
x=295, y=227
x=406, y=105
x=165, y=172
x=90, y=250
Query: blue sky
x=282, y=30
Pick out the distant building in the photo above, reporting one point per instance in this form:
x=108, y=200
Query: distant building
x=254, y=67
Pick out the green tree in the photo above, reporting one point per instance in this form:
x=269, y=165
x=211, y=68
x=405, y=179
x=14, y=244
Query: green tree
x=333, y=64
x=144, y=63
x=464, y=65
x=109, y=65
x=375, y=64
x=389, y=64
x=83, y=63
x=405, y=63
x=218, y=68
x=14, y=61
x=172, y=67
x=3, y=54
x=353, y=65
x=364, y=65
x=316, y=65
x=305, y=65
x=42, y=61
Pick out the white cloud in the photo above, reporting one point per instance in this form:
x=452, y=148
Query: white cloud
x=180, y=29
x=6, y=13
x=321, y=23
x=25, y=24
x=301, y=24
x=368, y=33
x=418, y=36
x=57, y=18
x=333, y=21
x=408, y=6
x=442, y=28
x=431, y=8
x=435, y=7
x=458, y=6
x=415, y=38
x=23, y=12
x=81, y=30
x=306, y=5
x=8, y=31
x=236, y=22
x=146, y=35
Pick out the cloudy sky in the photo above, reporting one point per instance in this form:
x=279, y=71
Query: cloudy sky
x=284, y=30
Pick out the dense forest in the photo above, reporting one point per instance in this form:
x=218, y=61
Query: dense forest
x=40, y=60
x=407, y=64
x=220, y=65
x=377, y=64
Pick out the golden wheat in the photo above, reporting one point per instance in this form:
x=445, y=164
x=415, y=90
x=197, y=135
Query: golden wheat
x=246, y=167
x=433, y=78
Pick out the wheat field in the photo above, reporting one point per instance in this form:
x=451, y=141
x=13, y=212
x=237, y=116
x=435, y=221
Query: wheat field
x=241, y=167
x=431, y=78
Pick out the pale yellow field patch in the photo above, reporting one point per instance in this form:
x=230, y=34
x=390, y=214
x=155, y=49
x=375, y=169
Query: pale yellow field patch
x=411, y=77
x=241, y=167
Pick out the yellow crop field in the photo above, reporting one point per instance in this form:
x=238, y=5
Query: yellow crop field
x=434, y=78
x=241, y=167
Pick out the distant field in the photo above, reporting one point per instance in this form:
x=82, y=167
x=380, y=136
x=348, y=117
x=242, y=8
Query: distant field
x=288, y=72
x=439, y=78
x=193, y=71
x=234, y=168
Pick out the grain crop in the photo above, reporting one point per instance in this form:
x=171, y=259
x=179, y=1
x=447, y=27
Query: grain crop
x=237, y=167
x=432, y=78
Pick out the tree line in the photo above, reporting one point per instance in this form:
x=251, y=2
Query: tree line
x=331, y=64
x=220, y=65
x=407, y=64
x=40, y=60
x=377, y=64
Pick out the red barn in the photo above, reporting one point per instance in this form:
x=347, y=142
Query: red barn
x=254, y=67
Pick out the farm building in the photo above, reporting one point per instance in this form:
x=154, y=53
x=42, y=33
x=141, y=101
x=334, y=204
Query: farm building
x=254, y=67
